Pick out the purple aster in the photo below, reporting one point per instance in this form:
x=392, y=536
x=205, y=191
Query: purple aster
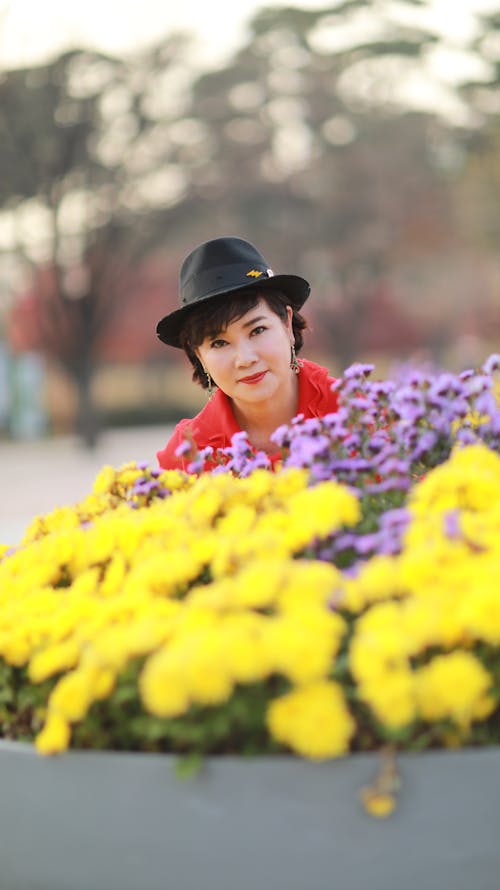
x=281, y=435
x=182, y=449
x=197, y=465
x=492, y=363
x=452, y=524
x=358, y=370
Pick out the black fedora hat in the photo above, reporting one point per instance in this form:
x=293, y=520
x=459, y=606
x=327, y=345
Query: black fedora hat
x=221, y=267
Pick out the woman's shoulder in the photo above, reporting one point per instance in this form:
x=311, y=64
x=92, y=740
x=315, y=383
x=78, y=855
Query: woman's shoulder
x=167, y=457
x=316, y=397
x=314, y=370
x=214, y=425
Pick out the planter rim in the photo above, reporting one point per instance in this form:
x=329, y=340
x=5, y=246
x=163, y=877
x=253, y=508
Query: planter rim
x=28, y=749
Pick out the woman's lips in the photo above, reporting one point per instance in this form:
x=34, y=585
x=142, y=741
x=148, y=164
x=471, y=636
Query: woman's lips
x=253, y=378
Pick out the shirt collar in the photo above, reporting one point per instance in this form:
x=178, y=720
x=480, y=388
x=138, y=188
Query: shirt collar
x=219, y=423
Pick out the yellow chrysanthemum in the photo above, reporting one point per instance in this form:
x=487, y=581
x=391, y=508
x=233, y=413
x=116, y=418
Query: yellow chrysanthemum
x=312, y=720
x=207, y=673
x=479, y=611
x=246, y=653
x=104, y=480
x=51, y=660
x=72, y=696
x=470, y=480
x=55, y=735
x=391, y=696
x=302, y=646
x=162, y=687
x=455, y=686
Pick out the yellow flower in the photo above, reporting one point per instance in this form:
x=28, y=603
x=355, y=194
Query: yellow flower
x=454, y=685
x=15, y=646
x=103, y=682
x=163, y=573
x=313, y=720
x=480, y=611
x=72, y=696
x=55, y=735
x=53, y=659
x=114, y=576
x=257, y=585
x=377, y=803
x=379, y=643
x=162, y=687
x=377, y=580
x=469, y=480
x=207, y=674
x=302, y=646
x=104, y=480
x=391, y=696
x=238, y=521
x=288, y=482
x=328, y=506
x=245, y=651
x=307, y=582
x=175, y=480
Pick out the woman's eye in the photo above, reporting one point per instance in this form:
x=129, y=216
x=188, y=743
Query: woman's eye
x=259, y=329
x=216, y=344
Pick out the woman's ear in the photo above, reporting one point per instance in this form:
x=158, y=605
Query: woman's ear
x=288, y=323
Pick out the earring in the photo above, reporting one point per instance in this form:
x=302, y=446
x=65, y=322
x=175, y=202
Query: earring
x=210, y=388
x=294, y=361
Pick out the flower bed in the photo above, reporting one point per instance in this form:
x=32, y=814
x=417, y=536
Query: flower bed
x=346, y=602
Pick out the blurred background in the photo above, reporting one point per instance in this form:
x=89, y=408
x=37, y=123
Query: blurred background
x=355, y=143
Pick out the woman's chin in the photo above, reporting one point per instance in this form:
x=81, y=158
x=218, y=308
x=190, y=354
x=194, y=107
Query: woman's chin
x=263, y=391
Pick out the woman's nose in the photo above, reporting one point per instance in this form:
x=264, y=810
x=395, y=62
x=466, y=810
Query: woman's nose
x=245, y=353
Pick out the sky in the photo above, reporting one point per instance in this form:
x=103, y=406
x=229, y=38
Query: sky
x=33, y=30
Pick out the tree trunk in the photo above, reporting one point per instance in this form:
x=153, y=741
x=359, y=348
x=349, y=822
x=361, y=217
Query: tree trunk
x=87, y=416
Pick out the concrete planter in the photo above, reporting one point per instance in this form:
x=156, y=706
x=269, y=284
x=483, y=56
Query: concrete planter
x=108, y=821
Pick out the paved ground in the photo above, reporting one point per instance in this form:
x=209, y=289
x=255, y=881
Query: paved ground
x=37, y=476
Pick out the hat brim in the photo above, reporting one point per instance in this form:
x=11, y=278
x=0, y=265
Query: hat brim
x=296, y=290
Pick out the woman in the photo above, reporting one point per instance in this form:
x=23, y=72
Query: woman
x=241, y=329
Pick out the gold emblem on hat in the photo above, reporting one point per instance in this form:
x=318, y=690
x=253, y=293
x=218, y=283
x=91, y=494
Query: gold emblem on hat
x=253, y=274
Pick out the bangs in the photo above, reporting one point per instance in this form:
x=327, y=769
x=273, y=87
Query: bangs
x=211, y=319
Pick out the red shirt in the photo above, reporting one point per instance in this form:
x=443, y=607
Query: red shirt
x=216, y=424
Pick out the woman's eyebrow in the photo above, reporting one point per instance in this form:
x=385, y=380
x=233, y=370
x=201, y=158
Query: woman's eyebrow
x=254, y=321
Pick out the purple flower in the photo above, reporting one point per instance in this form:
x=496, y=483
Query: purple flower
x=144, y=486
x=398, y=518
x=182, y=449
x=478, y=384
x=198, y=464
x=358, y=370
x=485, y=403
x=452, y=524
x=280, y=435
x=492, y=363
x=304, y=449
x=466, y=436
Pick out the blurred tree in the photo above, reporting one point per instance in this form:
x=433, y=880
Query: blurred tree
x=79, y=142
x=479, y=142
x=309, y=150
x=470, y=157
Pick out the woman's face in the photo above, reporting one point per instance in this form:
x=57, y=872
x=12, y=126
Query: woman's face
x=250, y=360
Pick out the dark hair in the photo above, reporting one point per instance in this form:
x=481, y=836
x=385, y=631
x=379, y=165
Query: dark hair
x=209, y=319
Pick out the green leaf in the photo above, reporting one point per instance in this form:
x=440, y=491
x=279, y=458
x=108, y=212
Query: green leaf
x=189, y=766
